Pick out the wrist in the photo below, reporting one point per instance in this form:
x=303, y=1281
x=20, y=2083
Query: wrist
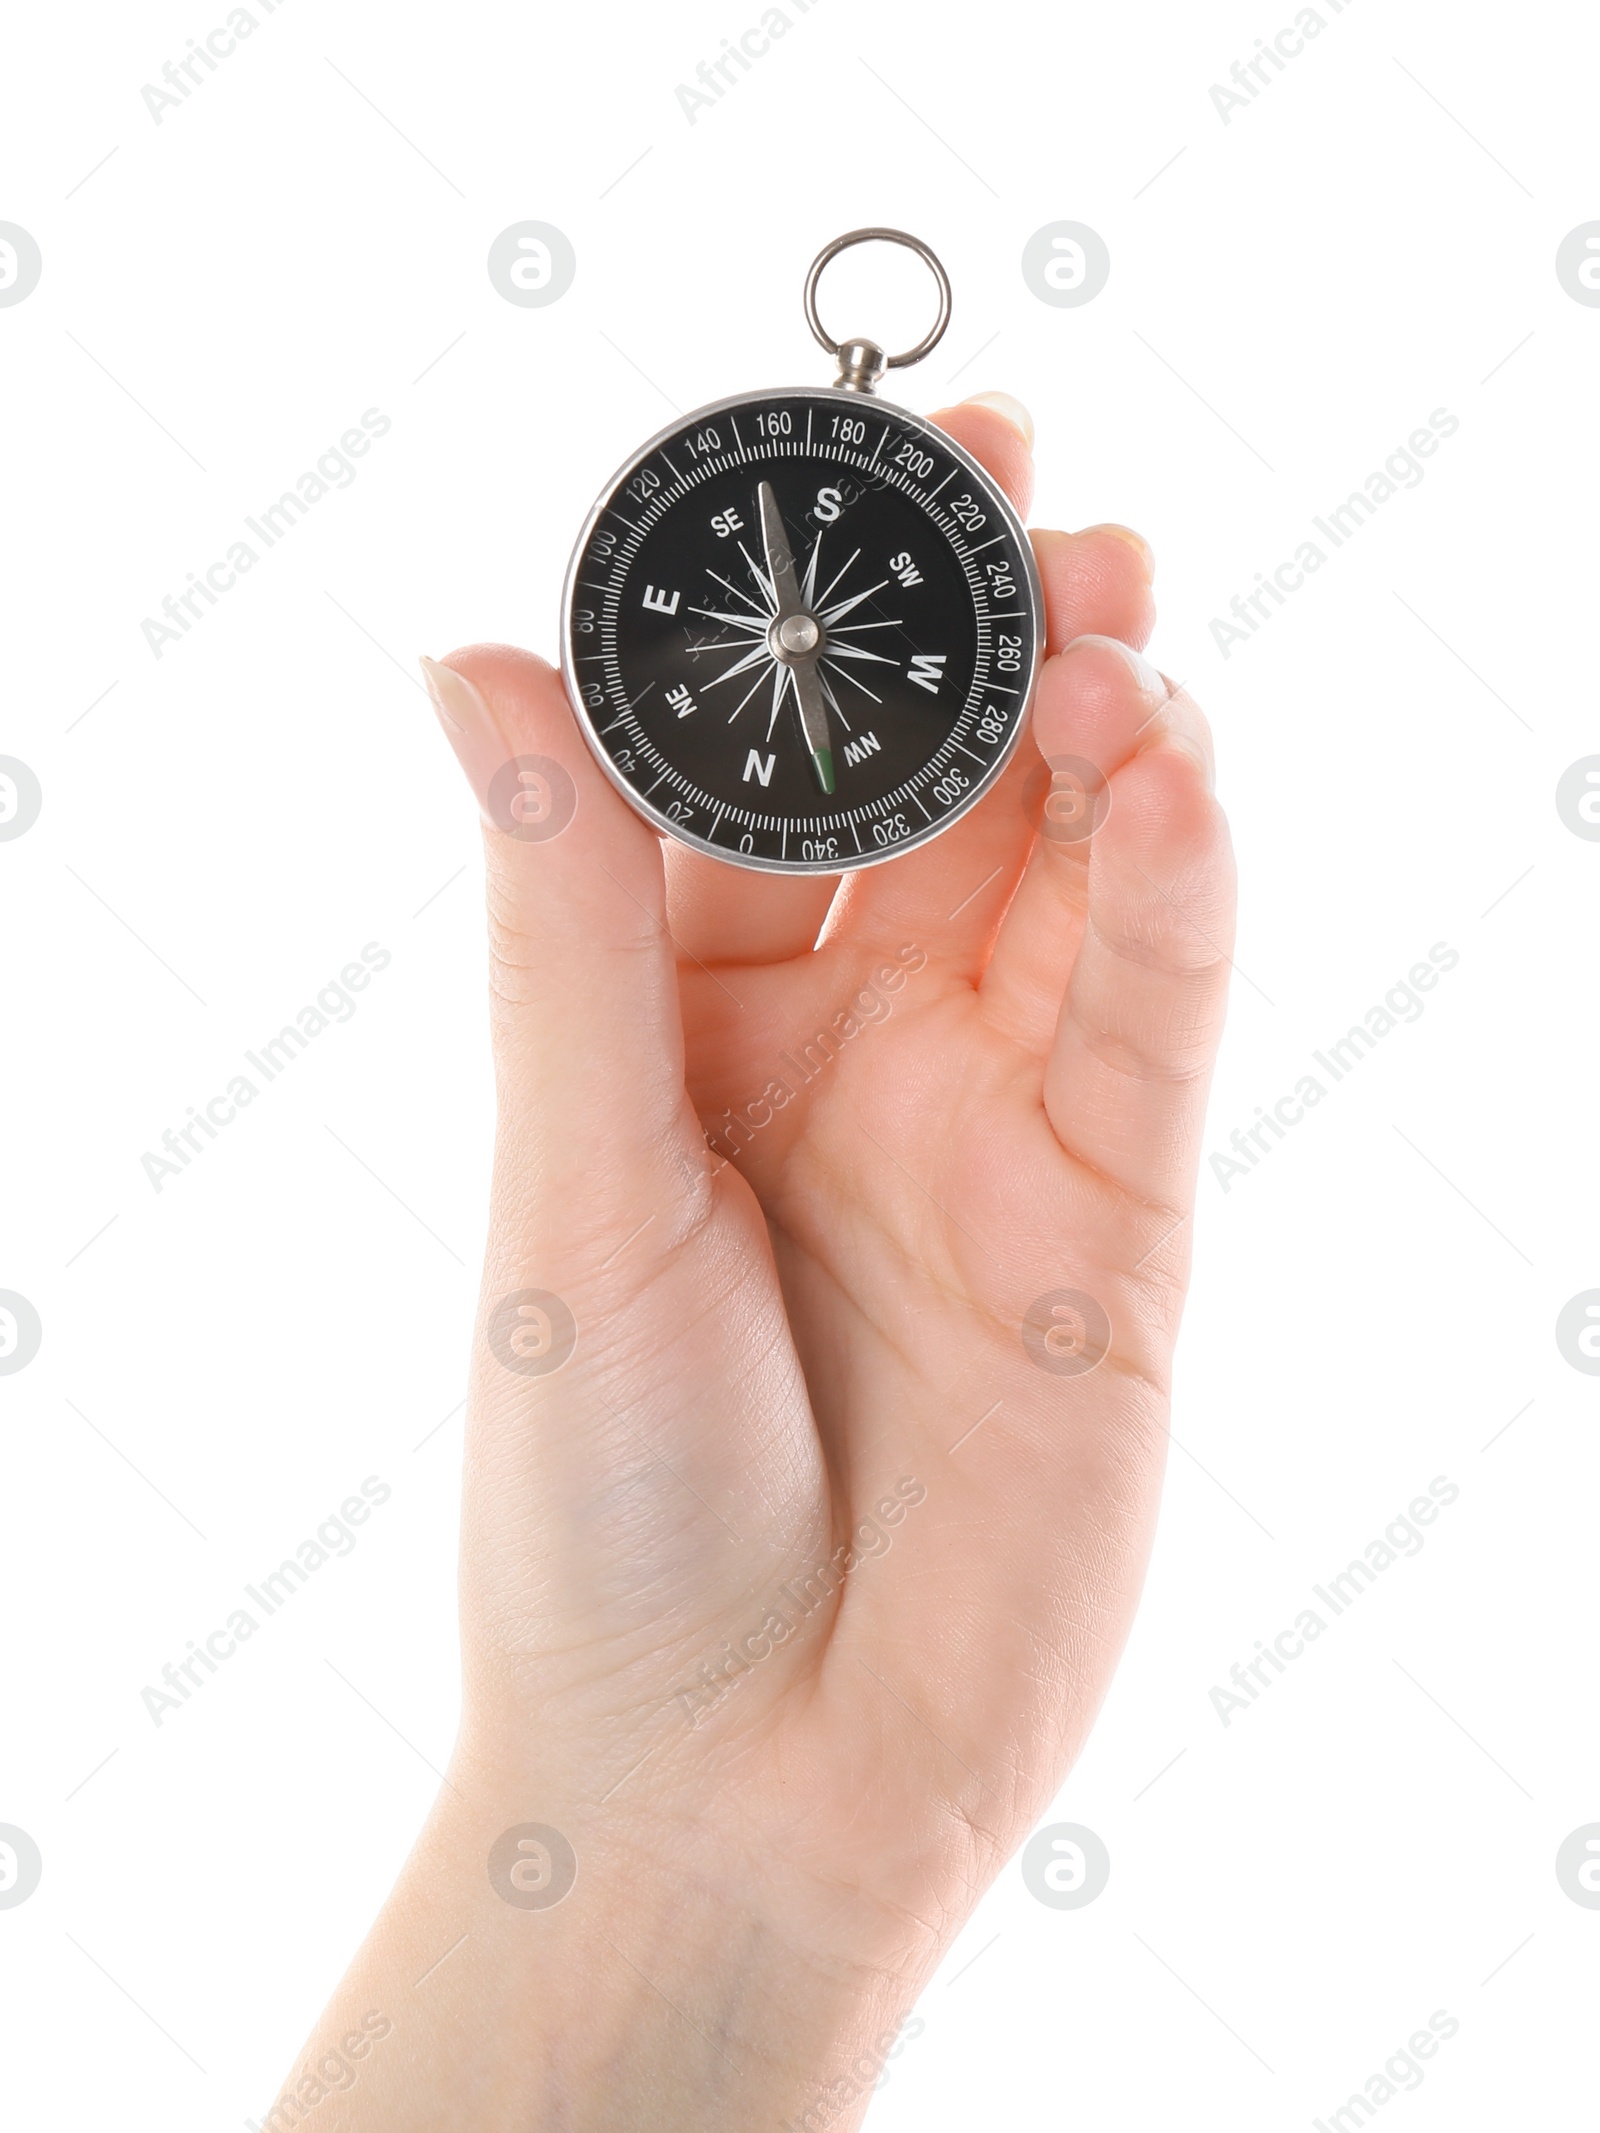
x=616, y=1985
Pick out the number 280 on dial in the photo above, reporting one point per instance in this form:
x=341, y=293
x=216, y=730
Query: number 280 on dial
x=801, y=630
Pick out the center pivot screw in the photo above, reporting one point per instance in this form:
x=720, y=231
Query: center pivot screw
x=798, y=634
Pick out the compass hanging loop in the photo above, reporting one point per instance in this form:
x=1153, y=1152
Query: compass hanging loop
x=863, y=362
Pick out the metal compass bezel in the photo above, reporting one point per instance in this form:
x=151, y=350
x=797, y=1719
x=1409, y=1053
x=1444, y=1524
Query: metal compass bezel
x=918, y=425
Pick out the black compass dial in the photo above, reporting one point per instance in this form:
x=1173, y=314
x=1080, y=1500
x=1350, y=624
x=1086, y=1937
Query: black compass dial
x=801, y=630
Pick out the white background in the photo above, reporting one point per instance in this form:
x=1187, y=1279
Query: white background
x=1371, y=239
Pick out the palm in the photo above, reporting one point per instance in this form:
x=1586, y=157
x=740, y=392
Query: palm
x=773, y=1346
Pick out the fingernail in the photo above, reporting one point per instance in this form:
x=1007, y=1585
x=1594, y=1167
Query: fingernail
x=1150, y=682
x=1140, y=546
x=1004, y=404
x=469, y=726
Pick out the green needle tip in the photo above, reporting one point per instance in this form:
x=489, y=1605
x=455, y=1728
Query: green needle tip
x=823, y=758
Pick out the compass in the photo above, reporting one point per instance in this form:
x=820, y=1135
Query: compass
x=801, y=626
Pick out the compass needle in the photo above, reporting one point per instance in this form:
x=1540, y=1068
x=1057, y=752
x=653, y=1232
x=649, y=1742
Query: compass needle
x=796, y=636
x=702, y=565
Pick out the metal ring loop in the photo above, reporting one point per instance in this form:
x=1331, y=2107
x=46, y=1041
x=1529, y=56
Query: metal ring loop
x=931, y=340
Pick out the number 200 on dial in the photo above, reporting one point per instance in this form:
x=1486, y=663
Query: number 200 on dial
x=802, y=630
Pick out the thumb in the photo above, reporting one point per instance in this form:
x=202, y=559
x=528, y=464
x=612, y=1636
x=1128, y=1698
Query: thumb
x=594, y=1126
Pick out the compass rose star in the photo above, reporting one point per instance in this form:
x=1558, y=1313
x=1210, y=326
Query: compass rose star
x=753, y=644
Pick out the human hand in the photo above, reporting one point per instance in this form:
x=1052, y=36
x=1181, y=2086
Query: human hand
x=790, y=1595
